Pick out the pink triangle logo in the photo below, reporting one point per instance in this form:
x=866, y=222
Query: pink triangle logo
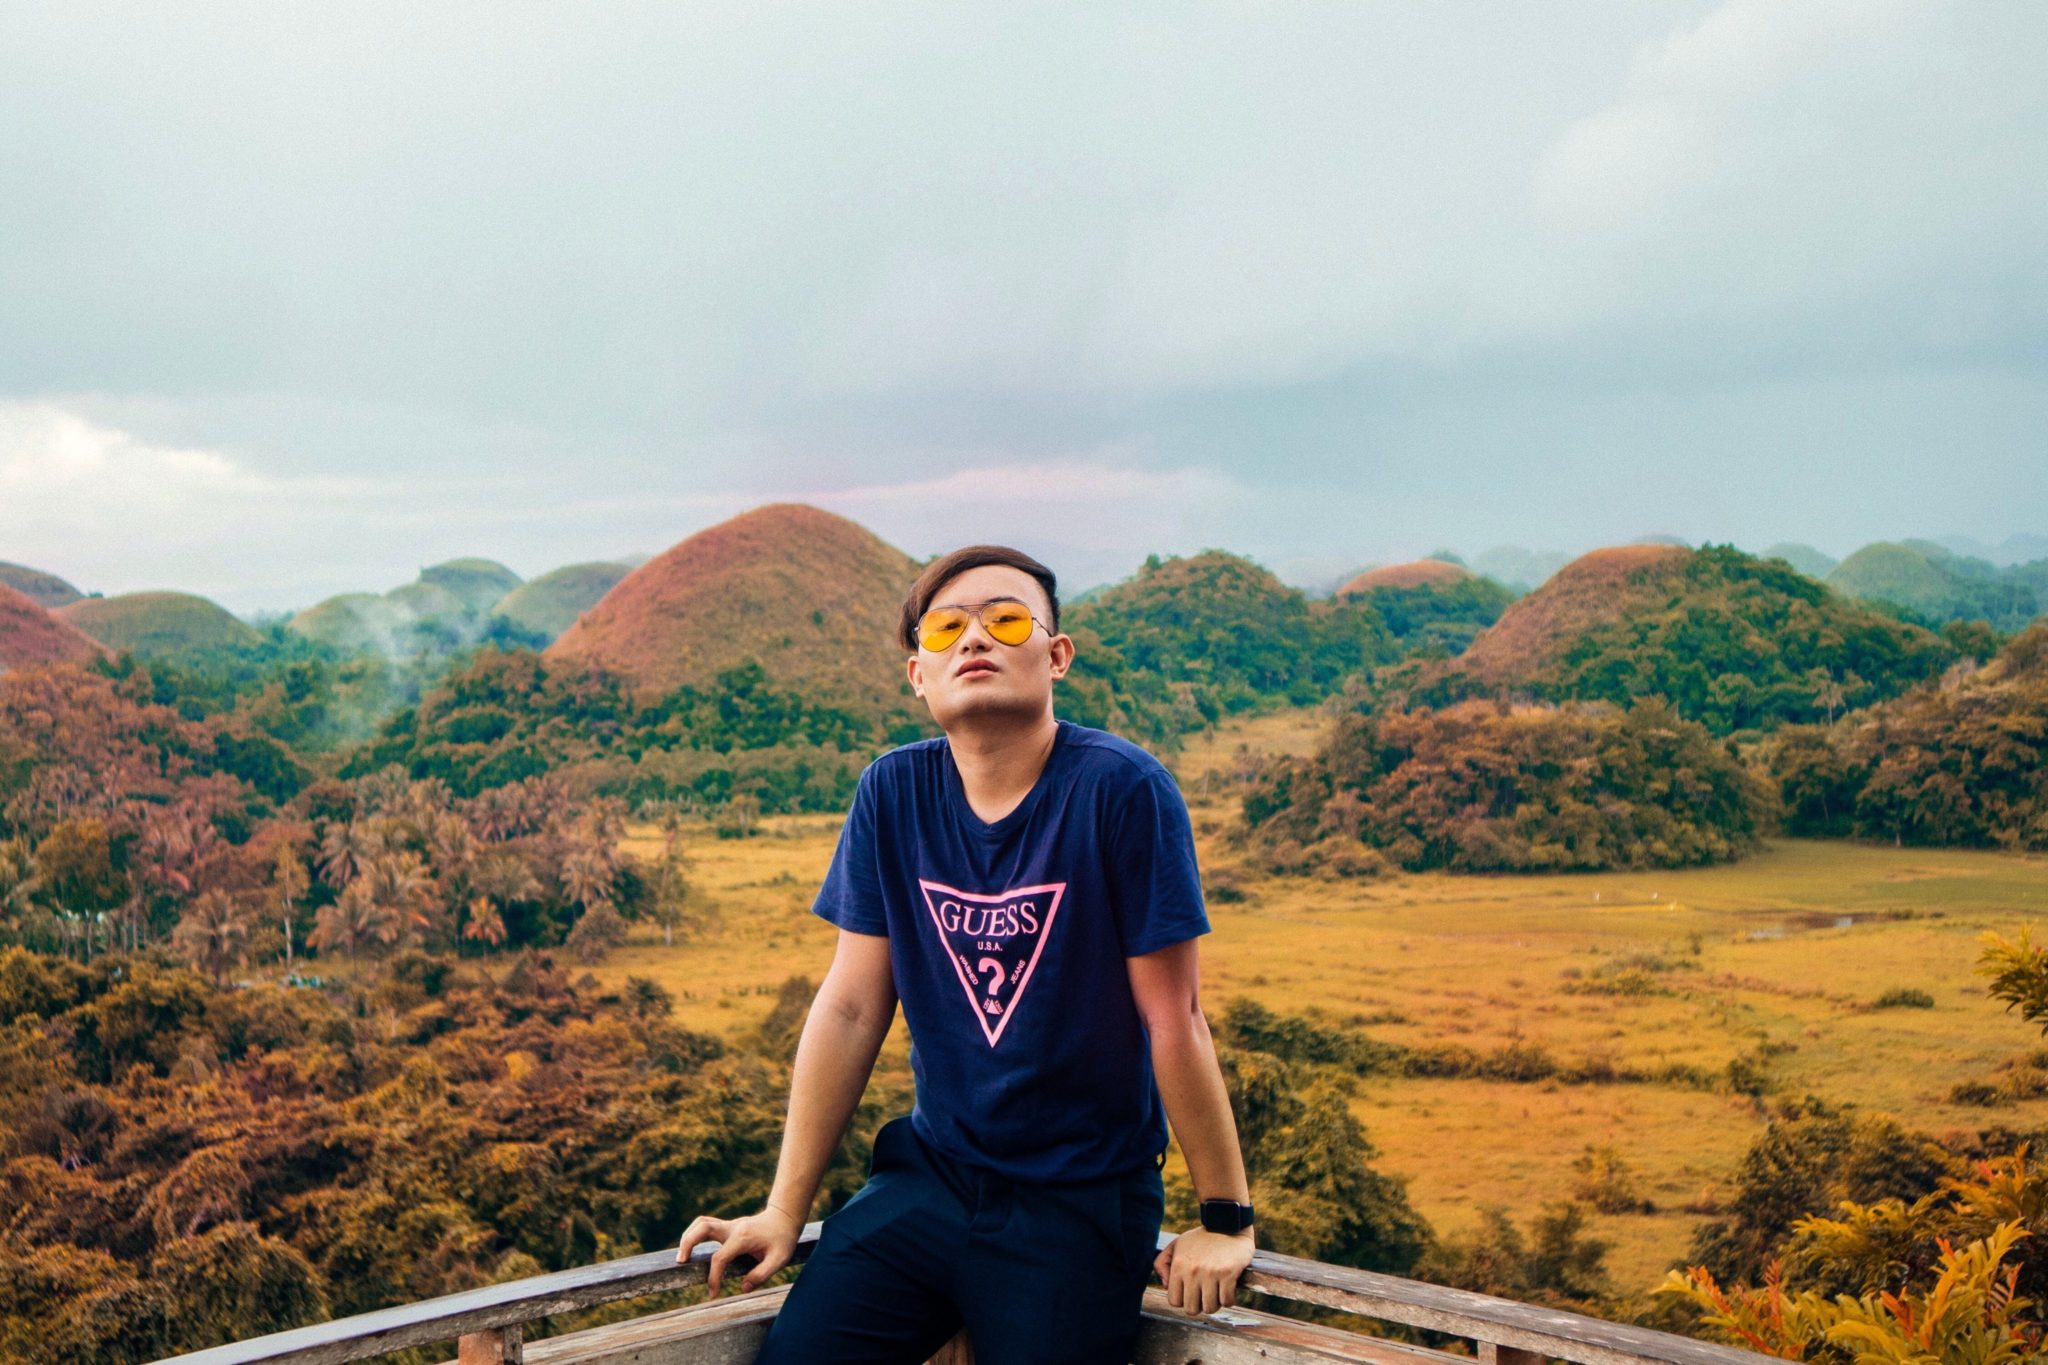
x=994, y=943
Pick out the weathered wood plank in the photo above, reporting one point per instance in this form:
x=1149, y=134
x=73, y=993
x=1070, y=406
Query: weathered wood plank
x=492, y=1346
x=456, y=1315
x=1549, y=1333
x=729, y=1332
x=1241, y=1336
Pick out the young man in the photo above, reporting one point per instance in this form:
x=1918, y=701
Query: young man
x=1027, y=887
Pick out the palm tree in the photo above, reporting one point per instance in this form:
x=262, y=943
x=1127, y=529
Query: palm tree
x=484, y=924
x=401, y=883
x=354, y=919
x=213, y=934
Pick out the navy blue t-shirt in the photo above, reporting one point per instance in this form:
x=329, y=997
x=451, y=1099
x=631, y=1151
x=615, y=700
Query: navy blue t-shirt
x=1008, y=943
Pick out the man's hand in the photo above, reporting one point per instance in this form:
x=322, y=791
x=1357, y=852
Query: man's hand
x=1200, y=1268
x=769, y=1236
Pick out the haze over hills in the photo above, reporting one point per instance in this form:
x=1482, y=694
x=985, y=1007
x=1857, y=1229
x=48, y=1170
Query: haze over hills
x=447, y=607
x=811, y=595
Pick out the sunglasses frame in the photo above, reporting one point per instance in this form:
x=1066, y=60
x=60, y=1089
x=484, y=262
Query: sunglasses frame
x=974, y=610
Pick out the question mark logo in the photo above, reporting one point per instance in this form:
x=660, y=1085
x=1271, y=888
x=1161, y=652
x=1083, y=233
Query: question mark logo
x=994, y=967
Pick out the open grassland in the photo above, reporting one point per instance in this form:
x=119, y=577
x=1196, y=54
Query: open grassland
x=1771, y=965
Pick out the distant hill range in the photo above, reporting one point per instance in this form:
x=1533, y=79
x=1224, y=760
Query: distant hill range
x=177, y=626
x=43, y=589
x=31, y=636
x=812, y=596
x=1809, y=561
x=1733, y=641
x=1935, y=584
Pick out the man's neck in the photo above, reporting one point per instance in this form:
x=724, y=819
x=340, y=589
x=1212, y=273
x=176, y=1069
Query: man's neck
x=1000, y=761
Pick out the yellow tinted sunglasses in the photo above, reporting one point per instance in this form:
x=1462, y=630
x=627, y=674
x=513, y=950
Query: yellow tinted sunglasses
x=1006, y=620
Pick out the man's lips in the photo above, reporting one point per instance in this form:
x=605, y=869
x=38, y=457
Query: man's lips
x=974, y=666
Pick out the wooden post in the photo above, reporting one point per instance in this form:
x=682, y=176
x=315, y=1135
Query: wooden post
x=1490, y=1354
x=492, y=1346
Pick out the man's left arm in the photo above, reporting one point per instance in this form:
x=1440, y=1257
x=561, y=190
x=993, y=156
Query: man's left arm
x=1200, y=1268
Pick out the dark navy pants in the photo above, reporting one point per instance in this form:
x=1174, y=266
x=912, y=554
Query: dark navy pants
x=1037, y=1273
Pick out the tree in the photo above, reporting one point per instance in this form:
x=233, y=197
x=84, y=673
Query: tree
x=289, y=881
x=213, y=934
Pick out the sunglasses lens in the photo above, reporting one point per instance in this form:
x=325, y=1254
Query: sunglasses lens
x=940, y=627
x=1009, y=622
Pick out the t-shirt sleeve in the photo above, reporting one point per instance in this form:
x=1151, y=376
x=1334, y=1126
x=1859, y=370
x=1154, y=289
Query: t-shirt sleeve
x=1156, y=887
x=851, y=896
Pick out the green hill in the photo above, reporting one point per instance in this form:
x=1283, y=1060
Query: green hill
x=1186, y=641
x=175, y=626
x=548, y=605
x=478, y=584
x=1809, y=561
x=1935, y=585
x=1430, y=605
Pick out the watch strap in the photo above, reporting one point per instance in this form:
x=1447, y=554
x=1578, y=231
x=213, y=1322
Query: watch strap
x=1226, y=1215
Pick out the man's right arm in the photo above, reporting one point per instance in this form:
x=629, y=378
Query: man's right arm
x=843, y=1033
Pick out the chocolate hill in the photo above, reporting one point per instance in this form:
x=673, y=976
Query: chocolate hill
x=1420, y=573
x=814, y=597
x=1594, y=589
x=30, y=636
x=161, y=625
x=550, y=604
x=1730, y=640
x=43, y=589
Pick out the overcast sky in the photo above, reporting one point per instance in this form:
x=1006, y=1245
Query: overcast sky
x=295, y=299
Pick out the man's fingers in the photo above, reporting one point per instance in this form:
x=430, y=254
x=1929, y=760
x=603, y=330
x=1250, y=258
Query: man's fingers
x=768, y=1266
x=702, y=1229
x=718, y=1262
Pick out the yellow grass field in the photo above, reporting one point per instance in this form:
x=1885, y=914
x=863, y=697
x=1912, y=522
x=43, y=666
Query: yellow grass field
x=1775, y=959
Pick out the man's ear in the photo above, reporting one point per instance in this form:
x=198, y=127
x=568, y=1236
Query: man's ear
x=916, y=675
x=1062, y=655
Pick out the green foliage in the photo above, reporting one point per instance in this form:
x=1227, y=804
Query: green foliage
x=1969, y=1315
x=508, y=716
x=2019, y=975
x=1903, y=998
x=1478, y=788
x=1556, y=1264
x=1188, y=641
x=1961, y=762
x=1438, y=617
x=1812, y=1157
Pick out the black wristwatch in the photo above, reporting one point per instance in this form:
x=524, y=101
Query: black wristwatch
x=1226, y=1215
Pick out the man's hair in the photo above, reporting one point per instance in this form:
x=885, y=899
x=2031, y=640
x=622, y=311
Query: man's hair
x=945, y=567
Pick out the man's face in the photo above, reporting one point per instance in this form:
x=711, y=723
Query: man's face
x=977, y=675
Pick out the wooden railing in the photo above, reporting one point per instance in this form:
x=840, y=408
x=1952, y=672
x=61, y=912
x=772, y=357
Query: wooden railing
x=488, y=1323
